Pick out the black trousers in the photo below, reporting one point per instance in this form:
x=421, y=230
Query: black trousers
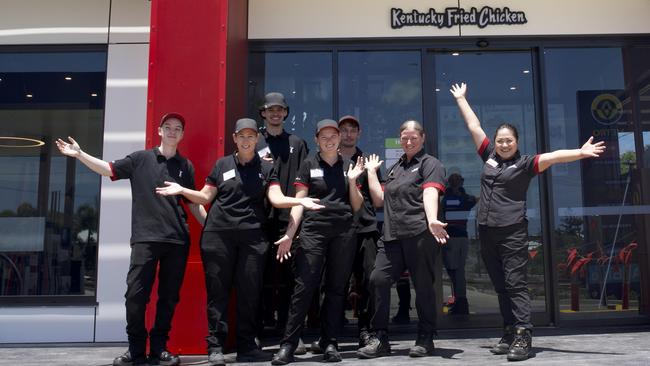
x=233, y=258
x=454, y=255
x=316, y=251
x=364, y=263
x=418, y=254
x=505, y=253
x=145, y=260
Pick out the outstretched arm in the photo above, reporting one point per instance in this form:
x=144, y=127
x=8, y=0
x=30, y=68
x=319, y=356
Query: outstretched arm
x=73, y=150
x=284, y=244
x=354, y=172
x=279, y=200
x=376, y=193
x=471, y=120
x=588, y=150
x=199, y=212
x=202, y=197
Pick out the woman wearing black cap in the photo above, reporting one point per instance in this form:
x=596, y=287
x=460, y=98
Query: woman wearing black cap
x=503, y=227
x=326, y=241
x=233, y=242
x=411, y=229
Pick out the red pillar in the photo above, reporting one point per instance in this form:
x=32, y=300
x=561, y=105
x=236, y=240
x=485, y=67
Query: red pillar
x=198, y=61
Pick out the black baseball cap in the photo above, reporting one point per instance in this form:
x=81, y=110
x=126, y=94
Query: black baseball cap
x=349, y=118
x=178, y=116
x=326, y=123
x=244, y=123
x=273, y=99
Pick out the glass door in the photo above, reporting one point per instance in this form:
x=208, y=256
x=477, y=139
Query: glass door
x=500, y=89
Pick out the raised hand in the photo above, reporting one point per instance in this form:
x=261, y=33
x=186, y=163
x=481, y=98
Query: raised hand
x=170, y=189
x=311, y=203
x=373, y=162
x=355, y=170
x=591, y=150
x=284, y=248
x=437, y=229
x=458, y=91
x=71, y=149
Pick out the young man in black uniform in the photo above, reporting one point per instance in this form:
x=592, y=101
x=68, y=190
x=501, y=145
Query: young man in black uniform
x=286, y=151
x=159, y=236
x=503, y=227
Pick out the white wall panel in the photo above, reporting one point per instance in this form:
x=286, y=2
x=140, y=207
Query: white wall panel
x=46, y=324
x=52, y=22
x=130, y=21
x=124, y=132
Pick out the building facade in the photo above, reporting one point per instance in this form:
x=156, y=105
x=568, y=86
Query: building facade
x=104, y=71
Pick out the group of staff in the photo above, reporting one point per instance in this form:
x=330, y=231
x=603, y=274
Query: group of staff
x=323, y=223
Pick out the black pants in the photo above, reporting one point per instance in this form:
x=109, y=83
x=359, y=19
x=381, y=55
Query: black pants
x=233, y=258
x=418, y=254
x=333, y=252
x=278, y=282
x=505, y=254
x=364, y=262
x=145, y=259
x=454, y=255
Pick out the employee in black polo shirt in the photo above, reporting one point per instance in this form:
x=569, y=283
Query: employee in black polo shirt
x=159, y=235
x=234, y=244
x=326, y=241
x=287, y=151
x=410, y=232
x=503, y=227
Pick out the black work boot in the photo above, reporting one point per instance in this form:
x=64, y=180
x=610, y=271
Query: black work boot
x=331, y=353
x=502, y=347
x=460, y=307
x=378, y=346
x=364, y=338
x=315, y=347
x=126, y=359
x=423, y=345
x=520, y=348
x=164, y=358
x=284, y=355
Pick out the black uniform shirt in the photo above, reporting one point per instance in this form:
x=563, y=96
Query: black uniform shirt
x=155, y=218
x=330, y=185
x=404, y=215
x=365, y=218
x=288, y=152
x=503, y=186
x=241, y=192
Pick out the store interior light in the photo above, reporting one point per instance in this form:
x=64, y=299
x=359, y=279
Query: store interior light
x=526, y=71
x=29, y=95
x=455, y=54
x=437, y=89
x=68, y=78
x=513, y=88
x=19, y=142
x=93, y=94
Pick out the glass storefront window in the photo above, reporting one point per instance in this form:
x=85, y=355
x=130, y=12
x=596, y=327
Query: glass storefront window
x=49, y=205
x=596, y=215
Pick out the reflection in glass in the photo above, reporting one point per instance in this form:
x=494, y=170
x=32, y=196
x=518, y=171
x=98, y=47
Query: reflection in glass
x=49, y=204
x=500, y=90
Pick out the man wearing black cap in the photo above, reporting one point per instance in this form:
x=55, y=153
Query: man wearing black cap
x=159, y=236
x=287, y=152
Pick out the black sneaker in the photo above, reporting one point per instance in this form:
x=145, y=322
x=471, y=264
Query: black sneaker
x=423, y=346
x=332, y=354
x=315, y=347
x=215, y=358
x=284, y=355
x=364, y=338
x=300, y=349
x=503, y=346
x=254, y=355
x=520, y=348
x=126, y=359
x=378, y=346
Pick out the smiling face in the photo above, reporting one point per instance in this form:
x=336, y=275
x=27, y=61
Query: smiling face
x=328, y=140
x=411, y=141
x=274, y=115
x=505, y=143
x=171, y=131
x=245, y=140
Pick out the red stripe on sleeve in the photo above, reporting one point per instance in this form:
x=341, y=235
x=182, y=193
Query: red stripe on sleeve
x=536, y=164
x=113, y=177
x=300, y=184
x=435, y=185
x=210, y=185
x=484, y=145
x=274, y=184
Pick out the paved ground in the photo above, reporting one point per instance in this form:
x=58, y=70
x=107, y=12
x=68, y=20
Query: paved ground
x=552, y=346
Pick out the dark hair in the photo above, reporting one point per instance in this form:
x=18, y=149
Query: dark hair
x=412, y=124
x=508, y=126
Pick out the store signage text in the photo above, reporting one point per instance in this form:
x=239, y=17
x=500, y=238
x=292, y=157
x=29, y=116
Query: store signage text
x=452, y=17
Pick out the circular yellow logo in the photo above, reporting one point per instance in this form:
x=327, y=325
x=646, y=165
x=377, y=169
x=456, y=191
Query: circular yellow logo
x=606, y=109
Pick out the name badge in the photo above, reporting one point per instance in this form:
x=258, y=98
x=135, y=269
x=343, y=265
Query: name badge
x=316, y=173
x=229, y=175
x=491, y=162
x=265, y=151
